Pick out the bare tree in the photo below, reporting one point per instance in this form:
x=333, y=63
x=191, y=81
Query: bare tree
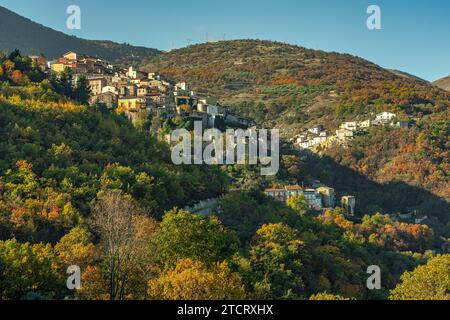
x=113, y=219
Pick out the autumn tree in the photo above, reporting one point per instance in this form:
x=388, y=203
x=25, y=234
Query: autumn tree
x=76, y=248
x=192, y=280
x=427, y=282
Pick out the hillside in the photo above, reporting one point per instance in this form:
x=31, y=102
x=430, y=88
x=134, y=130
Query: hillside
x=293, y=88
x=443, y=83
x=17, y=32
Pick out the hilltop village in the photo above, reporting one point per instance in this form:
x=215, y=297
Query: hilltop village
x=138, y=94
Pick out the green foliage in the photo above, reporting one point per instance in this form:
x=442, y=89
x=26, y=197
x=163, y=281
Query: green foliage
x=26, y=268
x=428, y=282
x=183, y=235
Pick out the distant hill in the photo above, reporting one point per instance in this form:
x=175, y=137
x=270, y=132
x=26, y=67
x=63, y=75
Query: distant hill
x=443, y=83
x=17, y=32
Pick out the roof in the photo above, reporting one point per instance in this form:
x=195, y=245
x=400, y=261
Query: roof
x=294, y=188
x=274, y=190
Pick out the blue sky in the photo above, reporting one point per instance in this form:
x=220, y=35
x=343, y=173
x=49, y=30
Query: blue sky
x=415, y=35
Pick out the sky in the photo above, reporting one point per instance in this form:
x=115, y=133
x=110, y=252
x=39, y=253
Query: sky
x=414, y=35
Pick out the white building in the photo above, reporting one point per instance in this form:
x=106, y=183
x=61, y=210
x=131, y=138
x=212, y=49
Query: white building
x=386, y=116
x=111, y=89
x=365, y=124
x=352, y=126
x=131, y=73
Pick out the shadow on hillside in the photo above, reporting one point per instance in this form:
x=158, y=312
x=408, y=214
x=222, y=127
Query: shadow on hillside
x=393, y=197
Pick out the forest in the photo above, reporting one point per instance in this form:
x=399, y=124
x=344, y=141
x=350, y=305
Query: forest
x=81, y=186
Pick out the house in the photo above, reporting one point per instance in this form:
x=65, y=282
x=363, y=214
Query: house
x=109, y=99
x=385, y=117
x=312, y=196
x=401, y=124
x=131, y=103
x=57, y=67
x=142, y=91
x=96, y=84
x=111, y=89
x=131, y=73
x=70, y=56
x=328, y=195
x=344, y=134
x=348, y=203
x=351, y=126
x=365, y=124
x=317, y=130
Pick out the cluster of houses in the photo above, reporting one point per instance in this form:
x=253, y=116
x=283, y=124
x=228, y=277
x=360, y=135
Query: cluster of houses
x=139, y=94
x=318, y=137
x=321, y=198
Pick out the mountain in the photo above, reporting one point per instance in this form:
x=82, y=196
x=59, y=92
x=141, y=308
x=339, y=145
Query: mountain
x=443, y=83
x=293, y=88
x=17, y=32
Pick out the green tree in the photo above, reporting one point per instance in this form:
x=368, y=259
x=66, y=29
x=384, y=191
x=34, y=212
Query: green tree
x=299, y=204
x=276, y=258
x=185, y=235
x=428, y=282
x=25, y=269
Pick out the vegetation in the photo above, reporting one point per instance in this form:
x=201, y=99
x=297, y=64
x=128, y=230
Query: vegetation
x=81, y=186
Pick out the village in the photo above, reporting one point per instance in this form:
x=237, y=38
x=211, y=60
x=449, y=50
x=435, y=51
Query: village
x=139, y=95
x=316, y=139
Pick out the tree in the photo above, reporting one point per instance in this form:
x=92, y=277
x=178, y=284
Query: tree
x=191, y=280
x=117, y=220
x=82, y=91
x=299, y=204
x=25, y=268
x=428, y=282
x=76, y=248
x=276, y=257
x=327, y=296
x=185, y=235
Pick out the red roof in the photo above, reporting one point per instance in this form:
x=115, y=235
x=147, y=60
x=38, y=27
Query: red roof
x=294, y=188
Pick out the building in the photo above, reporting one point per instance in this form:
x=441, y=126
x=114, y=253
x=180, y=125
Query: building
x=131, y=103
x=351, y=126
x=348, y=203
x=57, y=67
x=109, y=99
x=317, y=130
x=344, y=134
x=386, y=117
x=401, y=124
x=312, y=196
x=365, y=124
x=70, y=56
x=111, y=89
x=328, y=196
x=96, y=84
